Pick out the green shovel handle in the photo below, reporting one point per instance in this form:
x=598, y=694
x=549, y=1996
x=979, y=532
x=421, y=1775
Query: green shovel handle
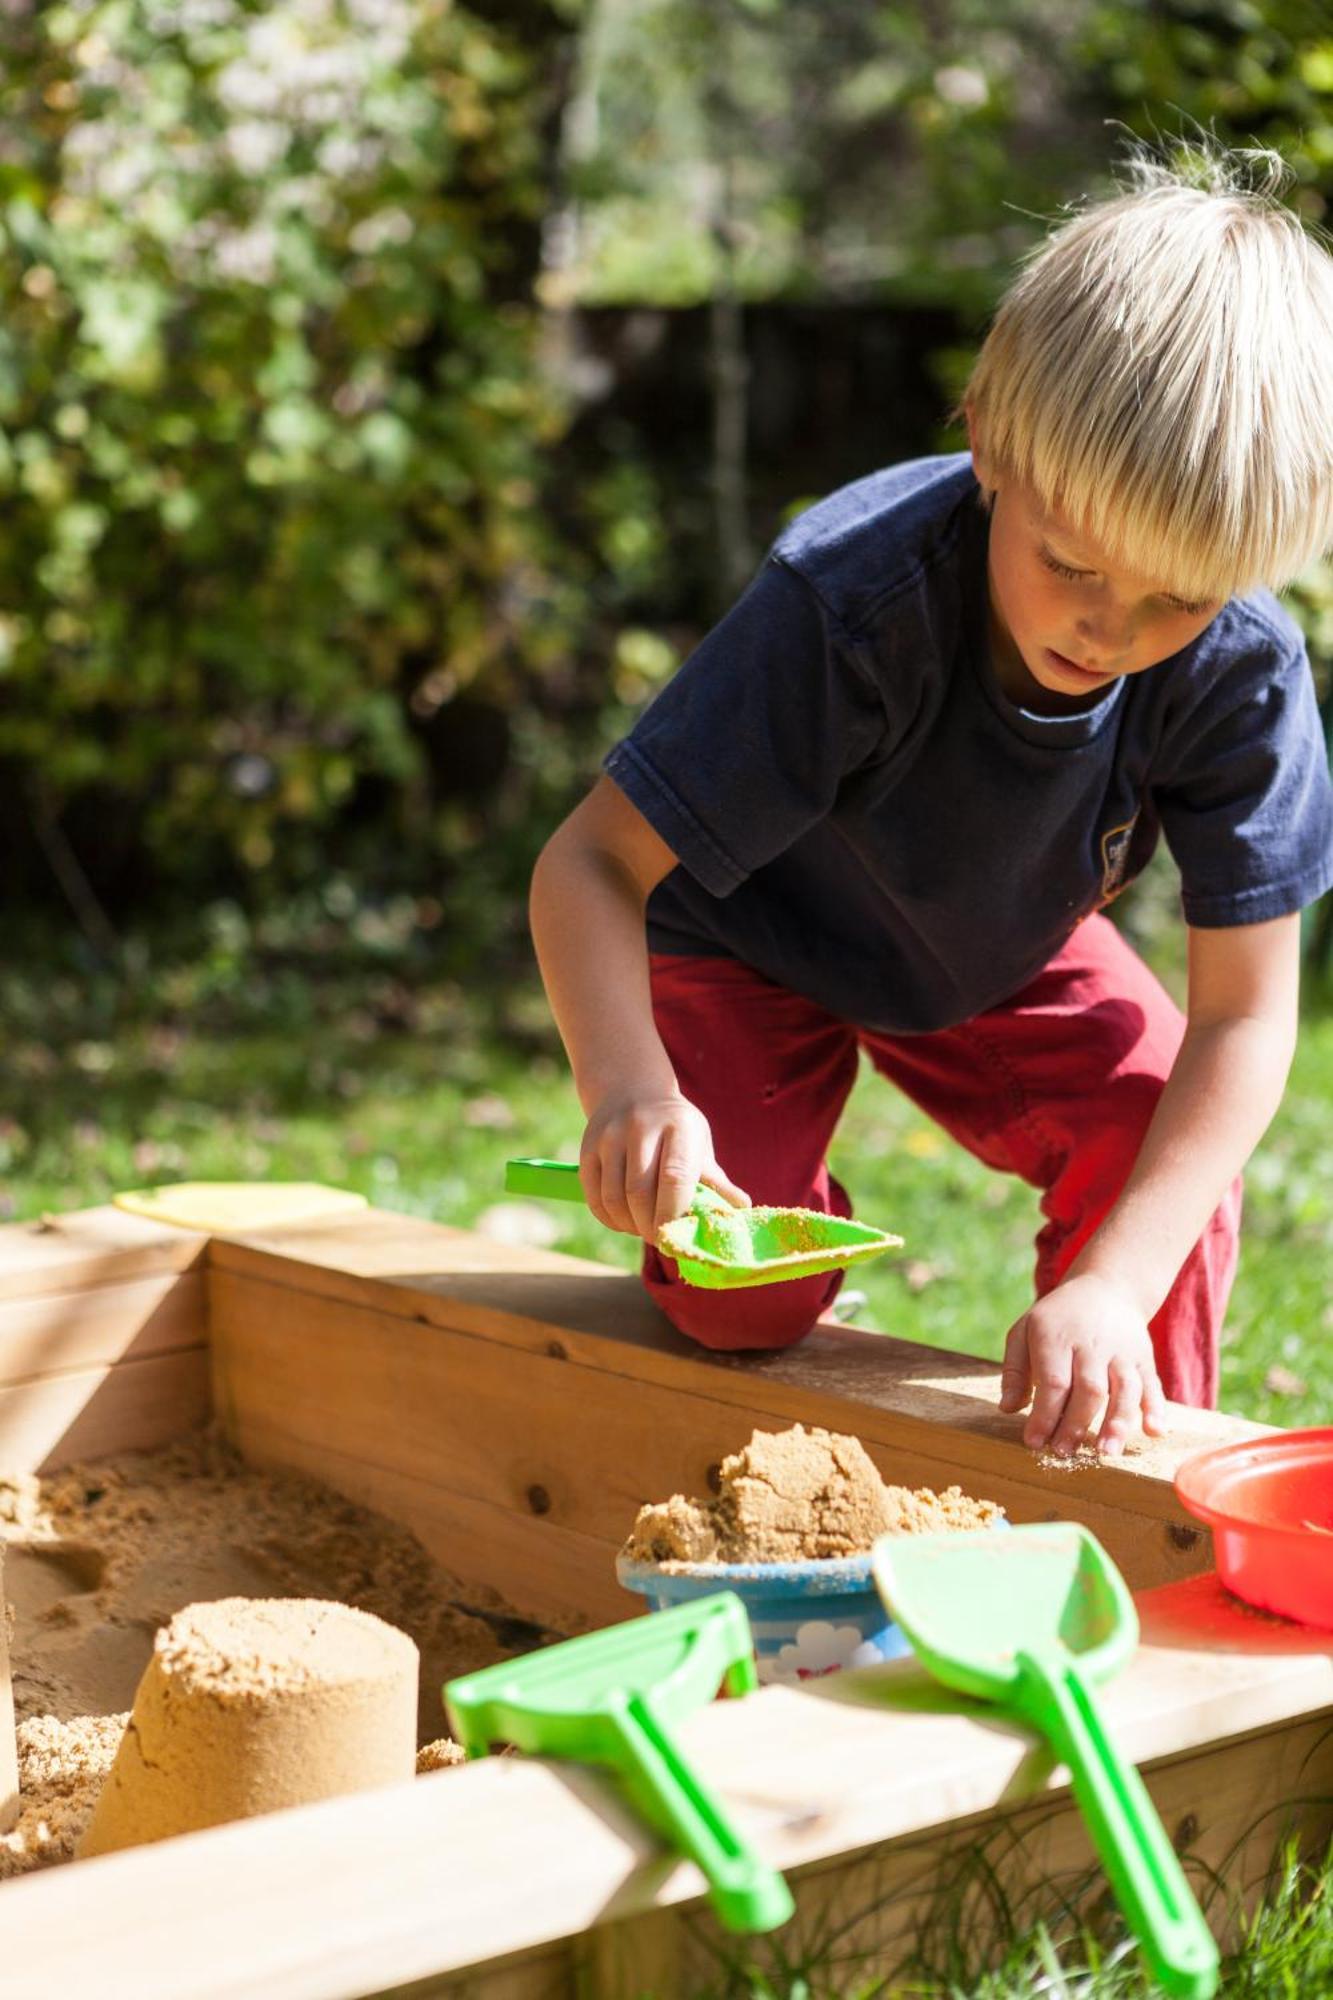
x=552, y=1180
x=1140, y=1861
x=747, y=1894
x=557, y=1180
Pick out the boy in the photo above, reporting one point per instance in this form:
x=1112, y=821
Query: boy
x=883, y=804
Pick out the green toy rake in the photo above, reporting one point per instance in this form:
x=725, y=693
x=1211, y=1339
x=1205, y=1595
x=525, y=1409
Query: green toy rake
x=609, y=1699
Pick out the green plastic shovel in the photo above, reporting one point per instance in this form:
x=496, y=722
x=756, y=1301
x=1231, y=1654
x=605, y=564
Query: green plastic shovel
x=1028, y=1620
x=609, y=1699
x=726, y=1248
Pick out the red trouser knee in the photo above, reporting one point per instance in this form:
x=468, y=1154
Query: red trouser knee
x=1057, y=1085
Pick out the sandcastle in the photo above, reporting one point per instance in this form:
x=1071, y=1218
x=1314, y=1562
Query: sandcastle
x=249, y=1705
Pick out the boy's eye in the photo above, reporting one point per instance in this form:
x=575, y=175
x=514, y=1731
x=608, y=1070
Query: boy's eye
x=1190, y=610
x=1062, y=569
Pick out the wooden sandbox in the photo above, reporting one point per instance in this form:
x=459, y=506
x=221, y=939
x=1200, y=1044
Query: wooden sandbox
x=513, y=1408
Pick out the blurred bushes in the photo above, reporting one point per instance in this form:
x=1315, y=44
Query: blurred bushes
x=322, y=561
x=273, y=441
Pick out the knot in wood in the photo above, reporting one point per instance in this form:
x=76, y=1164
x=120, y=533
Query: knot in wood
x=539, y=1499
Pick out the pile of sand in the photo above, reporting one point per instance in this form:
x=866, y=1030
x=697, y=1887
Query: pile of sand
x=793, y=1495
x=62, y=1766
x=251, y=1704
x=99, y=1556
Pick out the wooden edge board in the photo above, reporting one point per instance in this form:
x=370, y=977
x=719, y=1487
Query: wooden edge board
x=357, y=1897
x=603, y=1318
x=465, y=1438
x=938, y=1431
x=90, y=1246
x=132, y=1404
x=57, y=1332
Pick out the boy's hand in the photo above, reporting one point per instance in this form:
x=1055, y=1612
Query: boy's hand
x=1084, y=1354
x=641, y=1159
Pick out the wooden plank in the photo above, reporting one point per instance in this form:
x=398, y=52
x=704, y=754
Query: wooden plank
x=90, y=1246
x=9, y=1769
x=521, y=1296
x=129, y=1405
x=78, y=1329
x=568, y=1430
x=356, y=1898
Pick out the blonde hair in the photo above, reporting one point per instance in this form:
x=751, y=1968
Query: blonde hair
x=1161, y=375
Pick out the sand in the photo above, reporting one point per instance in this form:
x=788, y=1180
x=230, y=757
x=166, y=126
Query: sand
x=99, y=1556
x=250, y=1704
x=793, y=1496
x=62, y=1766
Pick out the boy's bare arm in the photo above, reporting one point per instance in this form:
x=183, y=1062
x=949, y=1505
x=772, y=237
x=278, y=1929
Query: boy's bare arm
x=645, y=1145
x=1084, y=1348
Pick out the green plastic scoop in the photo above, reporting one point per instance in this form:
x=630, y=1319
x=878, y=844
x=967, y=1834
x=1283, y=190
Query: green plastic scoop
x=1028, y=1620
x=726, y=1248
x=609, y=1699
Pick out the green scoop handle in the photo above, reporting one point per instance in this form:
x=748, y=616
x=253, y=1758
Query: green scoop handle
x=1140, y=1862
x=557, y=1180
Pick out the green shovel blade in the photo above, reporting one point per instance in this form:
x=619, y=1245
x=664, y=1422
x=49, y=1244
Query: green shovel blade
x=723, y=1248
x=610, y=1699
x=1030, y=1620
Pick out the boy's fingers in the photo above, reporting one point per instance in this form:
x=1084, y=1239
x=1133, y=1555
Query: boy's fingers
x=1122, y=1409
x=1015, y=1376
x=676, y=1181
x=1051, y=1376
x=1081, y=1413
x=610, y=1207
x=590, y=1180
x=714, y=1178
x=1154, y=1403
x=642, y=1181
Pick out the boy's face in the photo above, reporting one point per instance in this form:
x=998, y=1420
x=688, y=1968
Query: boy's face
x=1065, y=623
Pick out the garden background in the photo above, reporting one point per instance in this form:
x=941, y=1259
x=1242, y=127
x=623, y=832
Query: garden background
x=391, y=393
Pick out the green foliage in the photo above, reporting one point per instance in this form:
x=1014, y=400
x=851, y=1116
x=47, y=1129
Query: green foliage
x=904, y=152
x=845, y=149
x=271, y=430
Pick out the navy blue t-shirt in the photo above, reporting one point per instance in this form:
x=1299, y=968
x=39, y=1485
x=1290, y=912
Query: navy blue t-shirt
x=864, y=816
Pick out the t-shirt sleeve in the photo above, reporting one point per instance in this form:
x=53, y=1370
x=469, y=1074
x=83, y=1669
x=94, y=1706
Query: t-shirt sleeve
x=746, y=746
x=1246, y=801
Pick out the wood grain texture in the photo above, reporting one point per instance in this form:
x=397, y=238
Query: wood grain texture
x=59, y=1331
x=129, y=1405
x=560, y=1401
x=90, y=1246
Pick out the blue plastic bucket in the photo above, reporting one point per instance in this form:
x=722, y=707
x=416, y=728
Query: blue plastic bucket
x=808, y=1618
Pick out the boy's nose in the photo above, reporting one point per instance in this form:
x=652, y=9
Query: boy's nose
x=1103, y=640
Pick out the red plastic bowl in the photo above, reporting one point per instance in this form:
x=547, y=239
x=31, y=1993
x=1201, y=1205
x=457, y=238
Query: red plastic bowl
x=1269, y=1504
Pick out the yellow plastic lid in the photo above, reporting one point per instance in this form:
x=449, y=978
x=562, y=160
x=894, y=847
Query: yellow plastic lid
x=239, y=1205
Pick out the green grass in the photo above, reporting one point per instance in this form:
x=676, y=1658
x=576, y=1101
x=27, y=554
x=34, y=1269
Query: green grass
x=973, y=1943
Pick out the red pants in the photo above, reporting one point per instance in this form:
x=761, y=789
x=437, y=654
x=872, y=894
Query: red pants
x=1057, y=1085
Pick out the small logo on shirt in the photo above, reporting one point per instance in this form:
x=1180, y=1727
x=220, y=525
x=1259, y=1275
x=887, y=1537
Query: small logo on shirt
x=1115, y=859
